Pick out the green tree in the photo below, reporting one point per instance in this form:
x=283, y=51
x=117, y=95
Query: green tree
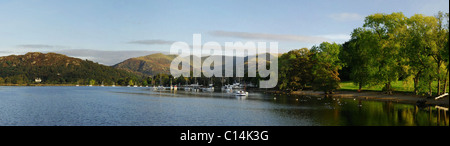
x=295, y=69
x=92, y=82
x=180, y=80
x=149, y=80
x=130, y=82
x=326, y=67
x=357, y=56
x=416, y=51
x=122, y=82
x=437, y=46
x=389, y=30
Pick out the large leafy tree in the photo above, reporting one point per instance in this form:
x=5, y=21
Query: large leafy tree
x=295, y=69
x=326, y=65
x=437, y=46
x=416, y=52
x=389, y=30
x=359, y=58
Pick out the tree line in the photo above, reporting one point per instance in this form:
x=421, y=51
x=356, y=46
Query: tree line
x=387, y=48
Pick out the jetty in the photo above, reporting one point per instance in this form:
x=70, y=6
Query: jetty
x=441, y=96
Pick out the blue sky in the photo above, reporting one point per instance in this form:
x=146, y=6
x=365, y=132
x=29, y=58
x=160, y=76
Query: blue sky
x=71, y=26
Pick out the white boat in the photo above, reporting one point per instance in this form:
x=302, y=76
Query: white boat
x=209, y=89
x=193, y=87
x=241, y=93
x=227, y=88
x=236, y=86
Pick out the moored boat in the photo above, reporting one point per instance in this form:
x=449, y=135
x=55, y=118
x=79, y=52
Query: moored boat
x=241, y=93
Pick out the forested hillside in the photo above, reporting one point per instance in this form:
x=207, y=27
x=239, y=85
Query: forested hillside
x=54, y=68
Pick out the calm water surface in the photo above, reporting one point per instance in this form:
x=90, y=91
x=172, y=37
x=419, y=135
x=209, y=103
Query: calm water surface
x=140, y=106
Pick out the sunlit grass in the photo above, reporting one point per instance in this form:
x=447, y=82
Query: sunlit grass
x=402, y=86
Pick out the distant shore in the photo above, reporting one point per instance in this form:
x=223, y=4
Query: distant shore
x=37, y=85
x=46, y=85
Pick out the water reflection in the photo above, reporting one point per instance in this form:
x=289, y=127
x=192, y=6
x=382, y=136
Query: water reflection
x=140, y=106
x=338, y=111
x=331, y=111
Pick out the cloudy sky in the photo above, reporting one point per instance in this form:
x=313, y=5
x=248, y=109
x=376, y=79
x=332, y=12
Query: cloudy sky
x=107, y=31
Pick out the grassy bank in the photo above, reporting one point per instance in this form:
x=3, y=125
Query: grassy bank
x=397, y=86
x=401, y=86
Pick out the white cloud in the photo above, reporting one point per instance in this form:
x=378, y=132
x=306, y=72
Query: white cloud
x=104, y=57
x=35, y=46
x=271, y=37
x=24, y=48
x=339, y=38
x=152, y=42
x=347, y=17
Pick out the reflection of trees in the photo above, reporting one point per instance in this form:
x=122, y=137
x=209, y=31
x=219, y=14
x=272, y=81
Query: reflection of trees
x=370, y=113
x=375, y=113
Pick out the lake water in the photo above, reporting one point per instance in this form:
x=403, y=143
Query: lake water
x=111, y=106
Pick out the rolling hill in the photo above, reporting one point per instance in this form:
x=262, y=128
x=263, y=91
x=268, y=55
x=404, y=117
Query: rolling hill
x=55, y=68
x=160, y=63
x=148, y=65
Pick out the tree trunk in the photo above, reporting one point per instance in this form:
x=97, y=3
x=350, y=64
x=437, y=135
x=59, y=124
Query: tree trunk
x=388, y=88
x=360, y=87
x=445, y=86
x=431, y=89
x=445, y=82
x=416, y=82
x=438, y=80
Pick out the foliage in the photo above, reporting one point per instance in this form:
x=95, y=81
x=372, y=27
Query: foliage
x=357, y=56
x=326, y=65
x=295, y=69
x=390, y=47
x=92, y=82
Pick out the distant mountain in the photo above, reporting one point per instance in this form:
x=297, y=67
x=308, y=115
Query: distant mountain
x=104, y=57
x=56, y=68
x=160, y=63
x=148, y=65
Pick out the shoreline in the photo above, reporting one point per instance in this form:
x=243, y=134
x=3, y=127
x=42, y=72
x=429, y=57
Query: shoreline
x=50, y=85
x=400, y=97
x=27, y=85
x=379, y=96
